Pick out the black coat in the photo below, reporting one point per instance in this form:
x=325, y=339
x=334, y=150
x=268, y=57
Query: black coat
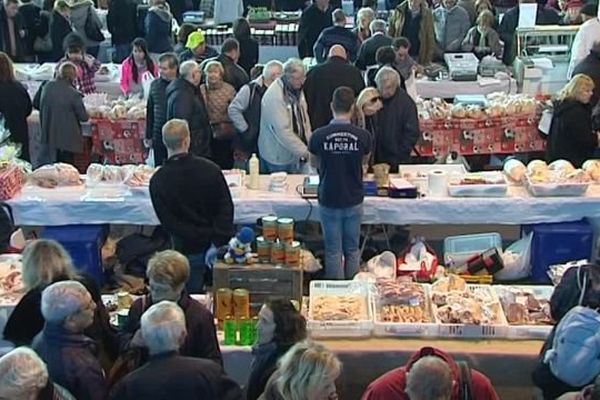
x=15, y=105
x=122, y=21
x=19, y=25
x=156, y=109
x=312, y=22
x=184, y=101
x=72, y=361
x=60, y=27
x=368, y=49
x=571, y=136
x=264, y=363
x=193, y=203
x=321, y=82
x=34, y=25
x=170, y=376
x=248, y=54
x=201, y=340
x=397, y=130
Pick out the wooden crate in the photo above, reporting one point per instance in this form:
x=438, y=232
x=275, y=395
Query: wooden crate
x=263, y=281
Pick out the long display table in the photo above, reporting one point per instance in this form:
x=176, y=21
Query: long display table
x=508, y=364
x=70, y=205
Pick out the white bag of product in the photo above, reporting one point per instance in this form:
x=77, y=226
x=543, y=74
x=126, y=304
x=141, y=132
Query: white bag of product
x=516, y=260
x=309, y=262
x=147, y=79
x=383, y=265
x=411, y=86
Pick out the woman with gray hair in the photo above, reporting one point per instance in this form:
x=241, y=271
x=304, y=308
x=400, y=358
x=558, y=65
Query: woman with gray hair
x=23, y=375
x=163, y=328
x=71, y=357
x=284, y=123
x=46, y=262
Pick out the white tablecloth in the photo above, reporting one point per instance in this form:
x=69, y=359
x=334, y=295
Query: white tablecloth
x=65, y=206
x=447, y=89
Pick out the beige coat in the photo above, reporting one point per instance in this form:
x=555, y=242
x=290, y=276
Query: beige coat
x=426, y=34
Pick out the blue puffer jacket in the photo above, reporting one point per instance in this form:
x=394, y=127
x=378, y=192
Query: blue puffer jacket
x=158, y=30
x=72, y=362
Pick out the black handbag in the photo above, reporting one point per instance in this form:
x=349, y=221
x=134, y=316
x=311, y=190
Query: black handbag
x=92, y=29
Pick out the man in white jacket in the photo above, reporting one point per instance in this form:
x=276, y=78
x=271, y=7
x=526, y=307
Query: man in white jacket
x=589, y=33
x=284, y=123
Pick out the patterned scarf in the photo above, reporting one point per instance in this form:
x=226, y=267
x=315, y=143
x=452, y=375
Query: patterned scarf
x=292, y=97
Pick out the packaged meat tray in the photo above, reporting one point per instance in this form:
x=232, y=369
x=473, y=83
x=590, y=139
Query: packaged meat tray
x=402, y=309
x=527, y=310
x=11, y=281
x=467, y=311
x=481, y=184
x=339, y=309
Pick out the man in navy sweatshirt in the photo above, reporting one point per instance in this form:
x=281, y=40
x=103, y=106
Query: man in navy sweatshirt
x=337, y=34
x=338, y=150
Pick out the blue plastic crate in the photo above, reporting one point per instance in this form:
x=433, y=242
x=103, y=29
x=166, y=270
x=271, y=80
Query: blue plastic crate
x=558, y=243
x=84, y=244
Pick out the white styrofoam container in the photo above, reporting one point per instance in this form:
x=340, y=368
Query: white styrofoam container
x=498, y=330
x=455, y=189
x=528, y=331
x=349, y=328
x=556, y=189
x=401, y=329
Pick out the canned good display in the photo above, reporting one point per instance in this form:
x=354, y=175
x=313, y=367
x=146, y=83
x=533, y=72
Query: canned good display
x=285, y=230
x=269, y=228
x=278, y=253
x=224, y=304
x=292, y=254
x=263, y=249
x=241, y=303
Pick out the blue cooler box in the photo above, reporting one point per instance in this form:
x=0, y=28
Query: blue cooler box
x=84, y=244
x=558, y=243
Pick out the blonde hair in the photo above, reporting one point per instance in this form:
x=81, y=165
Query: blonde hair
x=174, y=133
x=364, y=98
x=305, y=370
x=170, y=268
x=67, y=71
x=363, y=14
x=575, y=87
x=486, y=18
x=214, y=65
x=22, y=373
x=45, y=261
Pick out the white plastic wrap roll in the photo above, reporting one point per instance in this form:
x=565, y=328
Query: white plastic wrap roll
x=438, y=183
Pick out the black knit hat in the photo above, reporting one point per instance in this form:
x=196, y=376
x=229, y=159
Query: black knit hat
x=590, y=9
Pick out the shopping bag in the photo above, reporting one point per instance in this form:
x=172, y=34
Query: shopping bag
x=545, y=122
x=411, y=85
x=147, y=79
x=516, y=259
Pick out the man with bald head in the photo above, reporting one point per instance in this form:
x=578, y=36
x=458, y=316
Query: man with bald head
x=323, y=79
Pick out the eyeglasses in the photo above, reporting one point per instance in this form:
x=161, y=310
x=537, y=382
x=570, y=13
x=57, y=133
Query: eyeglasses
x=375, y=99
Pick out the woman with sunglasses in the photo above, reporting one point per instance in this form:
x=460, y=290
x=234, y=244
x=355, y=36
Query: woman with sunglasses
x=368, y=105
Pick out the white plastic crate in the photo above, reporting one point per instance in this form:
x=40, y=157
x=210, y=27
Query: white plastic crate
x=528, y=331
x=343, y=328
x=458, y=249
x=402, y=329
x=498, y=330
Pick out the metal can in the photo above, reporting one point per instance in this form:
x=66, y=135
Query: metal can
x=241, y=303
x=122, y=316
x=278, y=253
x=230, y=328
x=292, y=254
x=224, y=303
x=269, y=228
x=124, y=300
x=245, y=326
x=285, y=230
x=263, y=248
x=254, y=329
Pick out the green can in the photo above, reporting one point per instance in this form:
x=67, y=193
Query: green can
x=246, y=332
x=122, y=316
x=230, y=328
x=254, y=330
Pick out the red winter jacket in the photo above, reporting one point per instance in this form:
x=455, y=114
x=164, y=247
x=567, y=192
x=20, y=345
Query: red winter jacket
x=391, y=386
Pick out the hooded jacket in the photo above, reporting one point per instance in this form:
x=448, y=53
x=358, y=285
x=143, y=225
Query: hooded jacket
x=426, y=32
x=157, y=27
x=79, y=15
x=571, y=136
x=184, y=101
x=392, y=385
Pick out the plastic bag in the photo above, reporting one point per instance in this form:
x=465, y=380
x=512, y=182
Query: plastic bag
x=383, y=265
x=516, y=260
x=411, y=86
x=147, y=79
x=309, y=262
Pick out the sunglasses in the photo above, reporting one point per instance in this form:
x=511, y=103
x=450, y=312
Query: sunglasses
x=375, y=99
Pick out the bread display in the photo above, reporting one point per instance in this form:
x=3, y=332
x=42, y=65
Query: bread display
x=498, y=105
x=558, y=172
x=130, y=175
x=99, y=107
x=138, y=175
x=515, y=170
x=592, y=167
x=53, y=175
x=339, y=308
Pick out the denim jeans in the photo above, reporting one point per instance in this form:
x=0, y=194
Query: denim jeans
x=198, y=273
x=268, y=168
x=341, y=231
